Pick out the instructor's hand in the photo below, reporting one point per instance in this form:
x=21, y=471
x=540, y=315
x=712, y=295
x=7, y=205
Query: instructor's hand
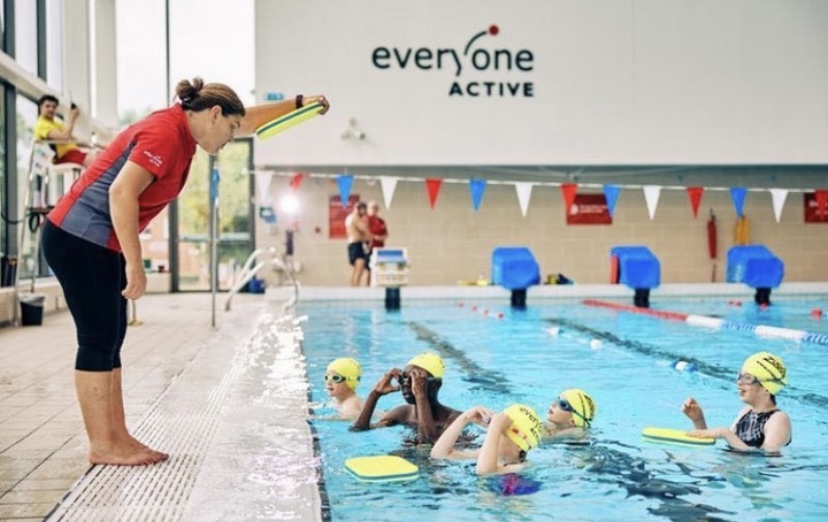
x=136, y=282
x=318, y=98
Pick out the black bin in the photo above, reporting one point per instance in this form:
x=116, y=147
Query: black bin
x=31, y=309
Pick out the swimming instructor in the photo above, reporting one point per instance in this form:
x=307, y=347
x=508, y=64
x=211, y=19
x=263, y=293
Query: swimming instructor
x=90, y=240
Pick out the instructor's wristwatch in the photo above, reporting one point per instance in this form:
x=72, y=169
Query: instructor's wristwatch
x=299, y=103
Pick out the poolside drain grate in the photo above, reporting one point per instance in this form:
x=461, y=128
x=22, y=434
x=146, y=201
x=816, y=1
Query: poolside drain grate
x=182, y=422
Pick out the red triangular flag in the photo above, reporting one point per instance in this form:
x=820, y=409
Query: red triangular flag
x=822, y=201
x=568, y=190
x=296, y=181
x=695, y=194
x=433, y=186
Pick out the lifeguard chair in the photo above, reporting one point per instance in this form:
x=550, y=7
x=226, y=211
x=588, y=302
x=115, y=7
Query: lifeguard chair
x=390, y=269
x=46, y=182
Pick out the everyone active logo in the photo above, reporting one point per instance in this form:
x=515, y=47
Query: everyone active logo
x=474, y=57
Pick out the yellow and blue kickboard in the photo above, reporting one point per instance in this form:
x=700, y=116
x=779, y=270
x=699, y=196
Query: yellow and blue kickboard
x=381, y=468
x=673, y=436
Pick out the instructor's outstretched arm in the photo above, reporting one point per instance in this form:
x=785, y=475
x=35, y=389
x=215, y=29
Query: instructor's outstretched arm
x=258, y=115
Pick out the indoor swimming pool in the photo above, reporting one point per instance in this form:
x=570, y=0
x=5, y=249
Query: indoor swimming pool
x=625, y=361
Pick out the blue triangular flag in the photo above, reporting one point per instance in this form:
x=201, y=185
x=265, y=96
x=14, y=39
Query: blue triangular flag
x=611, y=193
x=477, y=188
x=737, y=194
x=345, y=181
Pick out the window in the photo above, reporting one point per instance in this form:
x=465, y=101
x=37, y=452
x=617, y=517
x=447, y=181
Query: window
x=25, y=29
x=54, y=44
x=26, y=118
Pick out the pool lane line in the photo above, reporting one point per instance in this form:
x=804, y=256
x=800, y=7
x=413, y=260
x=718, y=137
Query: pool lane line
x=482, y=378
x=760, y=330
x=711, y=370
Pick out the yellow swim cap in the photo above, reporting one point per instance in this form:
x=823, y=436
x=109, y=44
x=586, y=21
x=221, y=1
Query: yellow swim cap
x=348, y=368
x=526, y=426
x=583, y=407
x=768, y=369
x=430, y=362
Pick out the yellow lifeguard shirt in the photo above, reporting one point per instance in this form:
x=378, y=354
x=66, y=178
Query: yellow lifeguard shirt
x=41, y=132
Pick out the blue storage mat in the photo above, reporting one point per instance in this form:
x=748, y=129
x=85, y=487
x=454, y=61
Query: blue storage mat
x=755, y=266
x=514, y=268
x=638, y=267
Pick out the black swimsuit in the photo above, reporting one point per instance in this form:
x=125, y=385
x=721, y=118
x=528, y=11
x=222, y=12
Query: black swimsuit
x=751, y=428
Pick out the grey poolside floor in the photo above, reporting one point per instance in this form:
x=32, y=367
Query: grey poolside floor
x=229, y=404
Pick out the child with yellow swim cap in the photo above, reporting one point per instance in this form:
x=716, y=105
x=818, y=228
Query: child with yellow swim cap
x=419, y=383
x=341, y=380
x=511, y=434
x=760, y=424
x=570, y=415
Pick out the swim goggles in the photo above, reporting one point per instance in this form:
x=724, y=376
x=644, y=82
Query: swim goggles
x=748, y=379
x=565, y=406
x=335, y=378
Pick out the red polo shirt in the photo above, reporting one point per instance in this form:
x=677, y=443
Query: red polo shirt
x=162, y=144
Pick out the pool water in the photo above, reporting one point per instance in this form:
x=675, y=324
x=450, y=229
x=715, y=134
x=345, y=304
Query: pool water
x=625, y=361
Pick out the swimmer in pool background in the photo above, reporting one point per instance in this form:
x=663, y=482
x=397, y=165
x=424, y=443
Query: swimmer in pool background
x=760, y=424
x=570, y=415
x=341, y=380
x=419, y=382
x=511, y=434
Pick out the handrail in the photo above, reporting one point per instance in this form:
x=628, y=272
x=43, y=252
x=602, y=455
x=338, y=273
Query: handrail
x=247, y=272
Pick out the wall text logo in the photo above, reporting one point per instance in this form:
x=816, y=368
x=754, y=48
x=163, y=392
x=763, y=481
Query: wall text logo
x=494, y=63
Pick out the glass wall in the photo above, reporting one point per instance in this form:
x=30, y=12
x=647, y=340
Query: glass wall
x=54, y=44
x=235, y=227
x=26, y=118
x=25, y=34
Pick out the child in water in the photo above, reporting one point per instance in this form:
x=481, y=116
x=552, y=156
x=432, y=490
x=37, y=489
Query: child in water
x=511, y=435
x=341, y=380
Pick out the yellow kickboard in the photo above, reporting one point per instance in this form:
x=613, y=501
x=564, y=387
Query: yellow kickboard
x=673, y=436
x=381, y=468
x=288, y=121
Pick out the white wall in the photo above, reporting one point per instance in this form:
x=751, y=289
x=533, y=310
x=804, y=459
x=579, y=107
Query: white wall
x=613, y=82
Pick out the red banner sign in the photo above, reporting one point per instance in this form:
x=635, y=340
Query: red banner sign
x=589, y=209
x=337, y=214
x=813, y=214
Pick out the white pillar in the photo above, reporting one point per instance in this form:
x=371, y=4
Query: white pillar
x=76, y=62
x=106, y=81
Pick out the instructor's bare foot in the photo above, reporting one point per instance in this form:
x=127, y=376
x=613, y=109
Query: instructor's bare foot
x=121, y=454
x=158, y=456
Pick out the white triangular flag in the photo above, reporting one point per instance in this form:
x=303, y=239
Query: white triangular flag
x=778, y=196
x=389, y=185
x=651, y=194
x=263, y=180
x=524, y=193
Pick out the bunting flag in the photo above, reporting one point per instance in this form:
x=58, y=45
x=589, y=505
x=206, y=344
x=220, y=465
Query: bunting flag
x=778, y=197
x=433, y=187
x=738, y=194
x=568, y=191
x=296, y=181
x=345, y=182
x=389, y=185
x=477, y=187
x=263, y=196
x=524, y=194
x=821, y=196
x=695, y=194
x=611, y=192
x=651, y=195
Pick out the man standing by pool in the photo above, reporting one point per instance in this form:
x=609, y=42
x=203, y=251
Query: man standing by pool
x=419, y=382
x=356, y=228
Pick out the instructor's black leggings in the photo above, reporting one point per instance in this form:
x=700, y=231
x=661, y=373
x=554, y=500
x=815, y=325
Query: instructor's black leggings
x=92, y=278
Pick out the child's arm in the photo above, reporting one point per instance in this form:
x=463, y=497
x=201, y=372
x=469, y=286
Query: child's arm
x=489, y=460
x=444, y=447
